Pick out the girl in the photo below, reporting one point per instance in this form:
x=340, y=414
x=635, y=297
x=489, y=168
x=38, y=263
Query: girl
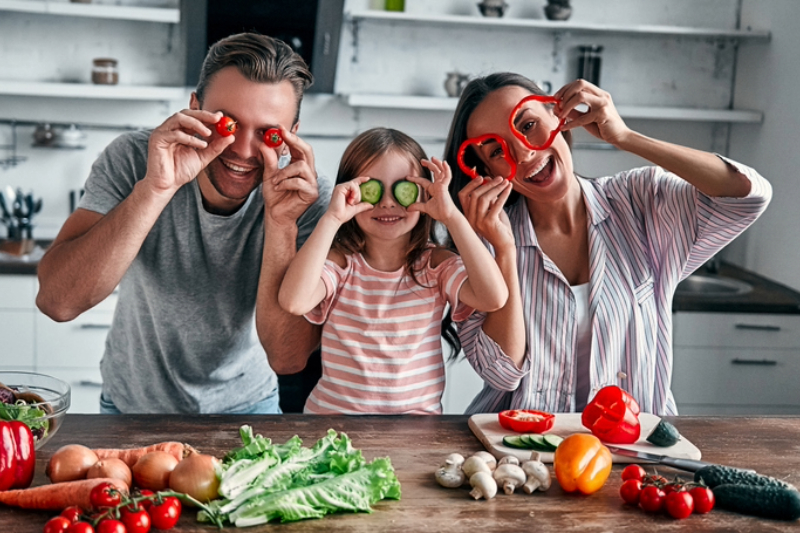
x=371, y=276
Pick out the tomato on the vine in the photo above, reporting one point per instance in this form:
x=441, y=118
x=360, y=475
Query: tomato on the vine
x=703, y=499
x=72, y=513
x=679, y=504
x=165, y=515
x=136, y=519
x=81, y=527
x=109, y=525
x=105, y=495
x=148, y=502
x=671, y=487
x=57, y=524
x=226, y=126
x=272, y=137
x=630, y=491
x=651, y=499
x=633, y=472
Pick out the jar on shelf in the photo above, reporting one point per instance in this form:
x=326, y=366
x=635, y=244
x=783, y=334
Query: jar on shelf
x=104, y=71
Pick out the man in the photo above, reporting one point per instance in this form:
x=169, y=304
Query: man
x=197, y=229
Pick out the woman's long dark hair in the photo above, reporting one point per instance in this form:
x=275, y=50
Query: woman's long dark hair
x=474, y=93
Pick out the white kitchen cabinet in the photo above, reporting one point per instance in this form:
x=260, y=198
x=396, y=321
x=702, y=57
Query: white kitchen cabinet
x=462, y=383
x=17, y=348
x=731, y=363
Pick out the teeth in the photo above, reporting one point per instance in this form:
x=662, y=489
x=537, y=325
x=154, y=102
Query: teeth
x=387, y=219
x=236, y=168
x=541, y=167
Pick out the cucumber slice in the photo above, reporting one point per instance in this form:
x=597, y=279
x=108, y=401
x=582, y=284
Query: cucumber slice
x=513, y=441
x=536, y=441
x=371, y=191
x=552, y=441
x=405, y=192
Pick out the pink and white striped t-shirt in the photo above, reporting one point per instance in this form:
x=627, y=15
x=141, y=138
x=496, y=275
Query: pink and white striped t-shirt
x=381, y=337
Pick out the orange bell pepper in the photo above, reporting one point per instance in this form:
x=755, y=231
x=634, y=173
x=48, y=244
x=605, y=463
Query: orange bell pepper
x=582, y=463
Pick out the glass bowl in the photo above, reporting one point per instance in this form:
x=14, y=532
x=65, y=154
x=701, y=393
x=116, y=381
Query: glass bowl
x=46, y=400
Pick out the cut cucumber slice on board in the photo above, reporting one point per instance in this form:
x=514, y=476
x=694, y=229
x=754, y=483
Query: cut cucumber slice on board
x=514, y=441
x=553, y=441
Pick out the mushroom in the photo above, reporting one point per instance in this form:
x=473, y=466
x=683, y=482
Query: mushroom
x=483, y=485
x=508, y=460
x=538, y=475
x=450, y=474
x=509, y=477
x=473, y=465
x=488, y=458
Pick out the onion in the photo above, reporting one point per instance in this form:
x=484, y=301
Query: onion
x=152, y=470
x=70, y=463
x=196, y=475
x=110, y=467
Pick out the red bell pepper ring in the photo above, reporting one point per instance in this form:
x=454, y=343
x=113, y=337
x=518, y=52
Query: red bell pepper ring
x=519, y=135
x=479, y=141
x=613, y=416
x=526, y=420
x=17, y=455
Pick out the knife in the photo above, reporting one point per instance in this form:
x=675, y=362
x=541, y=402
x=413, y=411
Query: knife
x=690, y=465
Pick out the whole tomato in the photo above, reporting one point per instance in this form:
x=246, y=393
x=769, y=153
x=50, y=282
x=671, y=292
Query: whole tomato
x=272, y=137
x=165, y=515
x=651, y=499
x=630, y=490
x=703, y=499
x=679, y=504
x=633, y=472
x=147, y=493
x=672, y=487
x=105, y=495
x=72, y=513
x=226, y=126
x=111, y=526
x=136, y=520
x=582, y=463
x=80, y=527
x=57, y=524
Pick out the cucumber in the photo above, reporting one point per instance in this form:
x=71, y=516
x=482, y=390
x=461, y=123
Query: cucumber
x=664, y=434
x=716, y=475
x=780, y=503
x=536, y=441
x=514, y=441
x=371, y=191
x=553, y=441
x=405, y=192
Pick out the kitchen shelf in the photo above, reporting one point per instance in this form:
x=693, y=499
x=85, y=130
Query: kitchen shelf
x=435, y=103
x=88, y=90
x=150, y=14
x=554, y=26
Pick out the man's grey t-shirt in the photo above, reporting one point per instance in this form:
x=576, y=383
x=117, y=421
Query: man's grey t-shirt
x=183, y=337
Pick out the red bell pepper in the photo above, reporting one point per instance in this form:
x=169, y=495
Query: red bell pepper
x=479, y=141
x=519, y=135
x=17, y=455
x=613, y=416
x=526, y=420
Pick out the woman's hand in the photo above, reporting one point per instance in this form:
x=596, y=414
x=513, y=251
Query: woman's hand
x=289, y=191
x=601, y=120
x=438, y=204
x=346, y=200
x=482, y=201
x=175, y=153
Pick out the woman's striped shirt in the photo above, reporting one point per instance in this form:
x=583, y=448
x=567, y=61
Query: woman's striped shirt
x=648, y=230
x=382, y=337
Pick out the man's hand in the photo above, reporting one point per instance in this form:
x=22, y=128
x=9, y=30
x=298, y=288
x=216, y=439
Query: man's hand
x=288, y=192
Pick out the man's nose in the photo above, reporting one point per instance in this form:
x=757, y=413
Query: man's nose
x=246, y=144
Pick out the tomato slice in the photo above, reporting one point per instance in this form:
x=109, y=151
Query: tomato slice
x=526, y=420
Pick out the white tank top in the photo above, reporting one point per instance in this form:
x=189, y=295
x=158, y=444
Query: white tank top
x=584, y=347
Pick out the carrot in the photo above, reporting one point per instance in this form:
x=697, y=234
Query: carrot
x=57, y=496
x=131, y=455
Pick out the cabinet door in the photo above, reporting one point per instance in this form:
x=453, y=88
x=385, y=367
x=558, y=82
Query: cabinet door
x=85, y=386
x=17, y=344
x=737, y=330
x=17, y=291
x=76, y=344
x=462, y=383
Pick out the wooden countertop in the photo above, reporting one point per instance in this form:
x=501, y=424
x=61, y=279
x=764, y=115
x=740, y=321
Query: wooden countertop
x=416, y=445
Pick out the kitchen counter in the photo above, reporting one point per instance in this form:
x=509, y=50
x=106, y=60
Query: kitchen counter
x=417, y=445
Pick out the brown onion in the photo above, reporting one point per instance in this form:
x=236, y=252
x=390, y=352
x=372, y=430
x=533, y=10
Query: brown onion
x=152, y=470
x=111, y=467
x=196, y=475
x=70, y=463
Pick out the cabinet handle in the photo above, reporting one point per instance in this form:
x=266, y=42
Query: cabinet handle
x=95, y=326
x=758, y=327
x=89, y=383
x=758, y=362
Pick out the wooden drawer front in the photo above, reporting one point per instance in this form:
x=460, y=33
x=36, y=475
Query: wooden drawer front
x=17, y=346
x=79, y=343
x=17, y=292
x=736, y=377
x=737, y=330
x=85, y=386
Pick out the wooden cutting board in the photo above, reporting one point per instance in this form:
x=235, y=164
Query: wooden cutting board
x=490, y=433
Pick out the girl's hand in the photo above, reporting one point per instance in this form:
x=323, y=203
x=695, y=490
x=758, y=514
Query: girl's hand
x=482, y=201
x=601, y=120
x=438, y=203
x=346, y=200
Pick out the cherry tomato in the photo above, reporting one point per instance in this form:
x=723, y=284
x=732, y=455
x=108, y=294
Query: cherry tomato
x=651, y=499
x=111, y=526
x=633, y=472
x=273, y=138
x=136, y=520
x=72, y=513
x=146, y=503
x=165, y=515
x=226, y=126
x=672, y=487
x=80, y=527
x=105, y=495
x=630, y=490
x=526, y=420
x=679, y=504
x=703, y=499
x=57, y=524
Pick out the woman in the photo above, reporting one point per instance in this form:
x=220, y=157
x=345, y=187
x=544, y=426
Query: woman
x=596, y=261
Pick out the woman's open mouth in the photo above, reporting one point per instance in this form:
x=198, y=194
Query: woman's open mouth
x=542, y=174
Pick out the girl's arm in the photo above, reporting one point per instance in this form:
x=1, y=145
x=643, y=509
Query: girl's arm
x=302, y=288
x=707, y=172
